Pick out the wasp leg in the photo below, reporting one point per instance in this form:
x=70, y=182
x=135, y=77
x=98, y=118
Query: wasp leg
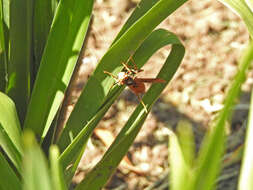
x=112, y=86
x=139, y=98
x=129, y=71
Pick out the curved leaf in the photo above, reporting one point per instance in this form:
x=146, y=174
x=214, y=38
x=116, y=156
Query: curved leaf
x=104, y=169
x=155, y=41
x=97, y=87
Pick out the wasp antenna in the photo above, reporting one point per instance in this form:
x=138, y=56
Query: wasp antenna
x=130, y=58
x=135, y=66
x=112, y=75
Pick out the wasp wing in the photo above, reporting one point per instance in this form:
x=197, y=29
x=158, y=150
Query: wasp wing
x=150, y=80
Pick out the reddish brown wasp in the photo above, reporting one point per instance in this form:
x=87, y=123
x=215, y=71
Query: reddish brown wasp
x=129, y=78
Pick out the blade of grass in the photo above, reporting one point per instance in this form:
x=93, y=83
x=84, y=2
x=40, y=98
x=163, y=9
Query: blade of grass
x=56, y=170
x=104, y=169
x=211, y=152
x=98, y=85
x=250, y=4
x=43, y=16
x=35, y=169
x=10, y=150
x=241, y=8
x=246, y=174
x=187, y=143
x=9, y=180
x=3, y=50
x=157, y=39
x=59, y=58
x=180, y=169
x=20, y=54
x=71, y=154
x=10, y=130
x=142, y=8
x=6, y=24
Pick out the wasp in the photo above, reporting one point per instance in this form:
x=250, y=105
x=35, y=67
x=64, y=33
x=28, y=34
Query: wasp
x=135, y=84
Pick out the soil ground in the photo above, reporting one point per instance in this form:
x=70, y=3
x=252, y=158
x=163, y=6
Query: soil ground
x=213, y=37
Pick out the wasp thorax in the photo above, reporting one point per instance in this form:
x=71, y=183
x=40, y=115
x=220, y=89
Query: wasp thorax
x=129, y=81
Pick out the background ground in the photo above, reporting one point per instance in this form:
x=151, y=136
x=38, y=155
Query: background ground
x=213, y=37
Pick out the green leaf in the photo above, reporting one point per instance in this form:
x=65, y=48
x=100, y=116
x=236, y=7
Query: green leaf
x=56, y=170
x=241, y=8
x=97, y=87
x=4, y=24
x=213, y=146
x=20, y=54
x=9, y=148
x=186, y=140
x=142, y=8
x=43, y=16
x=246, y=174
x=9, y=180
x=180, y=169
x=250, y=4
x=59, y=58
x=155, y=41
x=75, y=149
x=35, y=169
x=10, y=131
x=104, y=169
